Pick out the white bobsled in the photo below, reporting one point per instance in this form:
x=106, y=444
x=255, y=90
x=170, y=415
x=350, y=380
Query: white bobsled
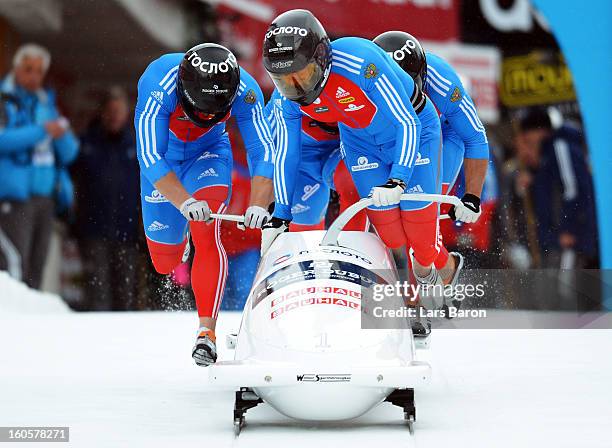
x=301, y=347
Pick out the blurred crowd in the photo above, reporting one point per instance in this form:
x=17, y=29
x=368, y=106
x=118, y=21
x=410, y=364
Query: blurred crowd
x=538, y=202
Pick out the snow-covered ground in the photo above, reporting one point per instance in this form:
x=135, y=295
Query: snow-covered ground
x=16, y=297
x=127, y=379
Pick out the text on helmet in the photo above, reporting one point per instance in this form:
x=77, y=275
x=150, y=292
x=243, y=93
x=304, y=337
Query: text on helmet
x=287, y=30
x=400, y=54
x=212, y=67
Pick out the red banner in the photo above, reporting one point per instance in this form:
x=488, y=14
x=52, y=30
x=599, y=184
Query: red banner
x=431, y=19
x=244, y=23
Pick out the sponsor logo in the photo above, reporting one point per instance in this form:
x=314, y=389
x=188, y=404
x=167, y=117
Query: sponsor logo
x=158, y=95
x=370, y=71
x=212, y=67
x=363, y=164
x=156, y=197
x=344, y=252
x=282, y=259
x=215, y=91
x=299, y=208
x=304, y=271
x=191, y=100
x=278, y=102
x=325, y=377
x=352, y=108
x=456, y=96
x=309, y=190
x=312, y=290
x=210, y=172
x=288, y=30
x=157, y=226
x=208, y=155
x=250, y=97
x=416, y=189
x=282, y=64
x=341, y=93
x=279, y=48
x=400, y=54
x=314, y=301
x=321, y=109
x=350, y=99
x=420, y=161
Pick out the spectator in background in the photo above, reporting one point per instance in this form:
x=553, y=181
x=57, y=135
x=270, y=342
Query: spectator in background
x=555, y=183
x=36, y=146
x=108, y=195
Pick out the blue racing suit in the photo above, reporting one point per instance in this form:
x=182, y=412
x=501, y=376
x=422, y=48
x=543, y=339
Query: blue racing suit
x=319, y=141
x=369, y=96
x=201, y=157
x=464, y=135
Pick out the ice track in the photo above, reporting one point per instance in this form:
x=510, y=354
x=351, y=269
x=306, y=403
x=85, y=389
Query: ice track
x=127, y=379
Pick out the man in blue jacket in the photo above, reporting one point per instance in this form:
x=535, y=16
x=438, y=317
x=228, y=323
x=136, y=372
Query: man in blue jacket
x=36, y=146
x=107, y=188
x=561, y=187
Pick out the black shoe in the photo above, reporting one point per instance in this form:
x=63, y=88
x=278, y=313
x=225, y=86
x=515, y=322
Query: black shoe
x=420, y=329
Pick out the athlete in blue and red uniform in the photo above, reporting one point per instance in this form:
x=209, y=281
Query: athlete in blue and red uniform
x=464, y=136
x=390, y=132
x=186, y=162
x=320, y=169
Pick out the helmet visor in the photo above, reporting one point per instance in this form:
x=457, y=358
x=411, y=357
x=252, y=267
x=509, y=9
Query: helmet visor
x=297, y=85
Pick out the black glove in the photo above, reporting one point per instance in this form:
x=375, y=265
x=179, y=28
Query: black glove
x=469, y=211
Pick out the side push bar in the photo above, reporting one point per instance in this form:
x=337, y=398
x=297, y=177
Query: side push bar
x=331, y=237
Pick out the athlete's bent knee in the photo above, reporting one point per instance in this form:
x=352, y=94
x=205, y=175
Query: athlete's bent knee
x=165, y=257
x=421, y=227
x=388, y=224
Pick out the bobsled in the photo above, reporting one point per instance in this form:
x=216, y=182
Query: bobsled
x=301, y=347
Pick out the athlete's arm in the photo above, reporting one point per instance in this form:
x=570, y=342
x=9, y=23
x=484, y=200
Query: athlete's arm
x=248, y=109
x=287, y=157
x=172, y=189
x=156, y=101
x=262, y=192
x=475, y=171
x=392, y=100
x=463, y=118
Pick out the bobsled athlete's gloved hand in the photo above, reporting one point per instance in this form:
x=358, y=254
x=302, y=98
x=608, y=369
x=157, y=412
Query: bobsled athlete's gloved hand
x=389, y=193
x=195, y=210
x=254, y=218
x=468, y=211
x=270, y=230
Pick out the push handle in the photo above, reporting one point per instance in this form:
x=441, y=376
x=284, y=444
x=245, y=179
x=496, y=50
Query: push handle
x=233, y=218
x=331, y=237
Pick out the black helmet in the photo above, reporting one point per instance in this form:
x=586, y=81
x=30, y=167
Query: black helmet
x=406, y=50
x=297, y=55
x=207, y=85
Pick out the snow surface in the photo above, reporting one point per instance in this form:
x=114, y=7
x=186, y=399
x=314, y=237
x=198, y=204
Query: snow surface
x=16, y=297
x=127, y=379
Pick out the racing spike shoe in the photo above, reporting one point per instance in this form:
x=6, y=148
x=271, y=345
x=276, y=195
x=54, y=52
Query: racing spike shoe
x=431, y=287
x=421, y=327
x=205, y=349
x=453, y=300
